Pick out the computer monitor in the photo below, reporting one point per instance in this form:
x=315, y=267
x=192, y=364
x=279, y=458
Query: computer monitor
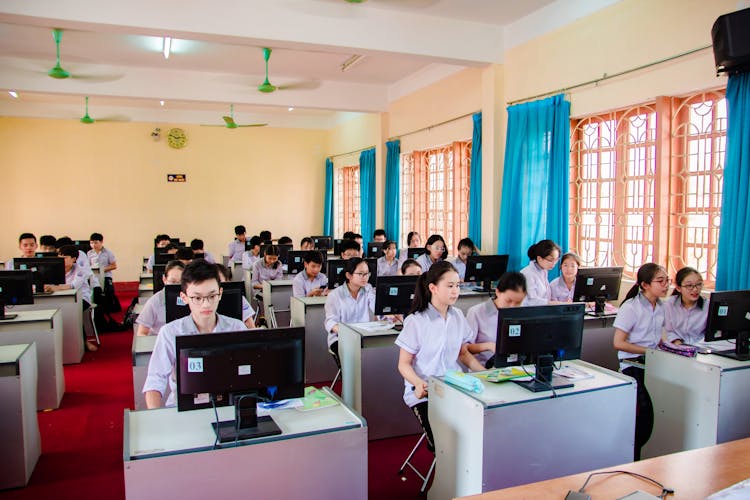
x=322, y=243
x=83, y=245
x=414, y=253
x=542, y=334
x=162, y=257
x=157, y=276
x=176, y=308
x=372, y=265
x=333, y=272
x=729, y=318
x=240, y=368
x=283, y=251
x=394, y=294
x=176, y=242
x=229, y=305
x=375, y=249
x=598, y=285
x=485, y=269
x=296, y=261
x=47, y=270
x=16, y=288
x=337, y=246
x=39, y=255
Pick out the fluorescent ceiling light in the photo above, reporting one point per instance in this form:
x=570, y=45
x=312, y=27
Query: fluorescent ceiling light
x=351, y=62
x=13, y=94
x=161, y=102
x=291, y=108
x=167, y=46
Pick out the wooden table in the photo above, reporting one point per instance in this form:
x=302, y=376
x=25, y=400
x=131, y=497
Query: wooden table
x=691, y=474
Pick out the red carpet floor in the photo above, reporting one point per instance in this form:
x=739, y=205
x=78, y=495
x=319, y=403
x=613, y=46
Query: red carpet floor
x=82, y=440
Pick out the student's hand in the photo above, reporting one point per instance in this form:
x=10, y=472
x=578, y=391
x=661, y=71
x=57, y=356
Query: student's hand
x=420, y=390
x=317, y=292
x=48, y=288
x=398, y=317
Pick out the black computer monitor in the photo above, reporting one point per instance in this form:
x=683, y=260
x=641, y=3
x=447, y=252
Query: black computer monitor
x=485, y=269
x=375, y=249
x=337, y=246
x=414, y=253
x=83, y=245
x=240, y=368
x=157, y=276
x=333, y=272
x=176, y=242
x=162, y=257
x=372, y=265
x=394, y=294
x=598, y=285
x=16, y=288
x=39, y=255
x=540, y=334
x=729, y=318
x=176, y=308
x=283, y=251
x=47, y=270
x=296, y=261
x=322, y=243
x=229, y=305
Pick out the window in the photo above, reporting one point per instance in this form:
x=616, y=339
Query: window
x=647, y=188
x=346, y=199
x=435, y=192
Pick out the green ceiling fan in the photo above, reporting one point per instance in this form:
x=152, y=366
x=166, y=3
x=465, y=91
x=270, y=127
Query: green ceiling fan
x=59, y=73
x=87, y=120
x=266, y=87
x=230, y=123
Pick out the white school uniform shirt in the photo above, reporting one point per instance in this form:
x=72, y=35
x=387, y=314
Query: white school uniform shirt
x=102, y=259
x=301, y=284
x=235, y=250
x=150, y=262
x=435, y=343
x=341, y=307
x=208, y=256
x=83, y=260
x=402, y=256
x=262, y=273
x=688, y=325
x=386, y=269
x=154, y=313
x=538, y=291
x=78, y=277
x=161, y=368
x=559, y=290
x=482, y=319
x=460, y=267
x=425, y=261
x=9, y=264
x=248, y=259
x=247, y=310
x=642, y=322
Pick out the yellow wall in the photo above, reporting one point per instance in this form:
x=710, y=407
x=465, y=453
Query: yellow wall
x=62, y=177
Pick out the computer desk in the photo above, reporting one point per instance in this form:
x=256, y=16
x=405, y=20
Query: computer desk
x=44, y=327
x=698, y=402
x=142, y=348
x=692, y=474
x=145, y=292
x=596, y=346
x=278, y=293
x=71, y=307
x=146, y=278
x=310, y=313
x=468, y=298
x=320, y=454
x=508, y=436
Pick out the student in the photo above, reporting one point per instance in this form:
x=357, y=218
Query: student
x=431, y=342
x=350, y=249
x=106, y=261
x=248, y=313
x=307, y=243
x=201, y=291
x=265, y=236
x=47, y=243
x=253, y=255
x=184, y=254
x=411, y=267
x=562, y=287
x=154, y=314
x=379, y=236
x=268, y=268
x=354, y=302
x=358, y=238
x=310, y=282
x=686, y=312
x=285, y=240
x=638, y=327
x=465, y=248
x=482, y=318
x=413, y=240
x=161, y=241
x=200, y=253
x=237, y=247
x=388, y=264
x=27, y=245
x=543, y=256
x=348, y=235
x=82, y=261
x=436, y=252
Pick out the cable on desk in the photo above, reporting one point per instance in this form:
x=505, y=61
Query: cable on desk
x=522, y=358
x=216, y=416
x=664, y=490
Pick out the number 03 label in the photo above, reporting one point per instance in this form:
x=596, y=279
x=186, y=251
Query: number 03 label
x=195, y=365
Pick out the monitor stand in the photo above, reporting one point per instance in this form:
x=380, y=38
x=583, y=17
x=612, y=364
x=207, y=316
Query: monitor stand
x=599, y=304
x=543, y=379
x=247, y=424
x=3, y=316
x=742, y=348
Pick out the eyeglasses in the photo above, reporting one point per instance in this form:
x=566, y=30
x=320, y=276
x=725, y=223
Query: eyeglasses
x=692, y=286
x=363, y=275
x=551, y=260
x=439, y=249
x=662, y=281
x=211, y=299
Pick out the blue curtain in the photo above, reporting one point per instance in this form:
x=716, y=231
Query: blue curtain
x=392, y=224
x=367, y=192
x=475, y=183
x=733, y=265
x=328, y=207
x=535, y=178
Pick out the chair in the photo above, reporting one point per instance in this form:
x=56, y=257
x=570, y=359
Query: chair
x=407, y=463
x=89, y=325
x=338, y=365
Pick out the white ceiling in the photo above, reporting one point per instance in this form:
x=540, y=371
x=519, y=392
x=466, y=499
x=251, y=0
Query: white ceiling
x=217, y=57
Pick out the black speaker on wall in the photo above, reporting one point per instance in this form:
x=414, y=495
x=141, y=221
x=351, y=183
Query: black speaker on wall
x=731, y=41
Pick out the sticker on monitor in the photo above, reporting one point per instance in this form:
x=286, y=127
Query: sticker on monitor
x=514, y=330
x=195, y=365
x=723, y=310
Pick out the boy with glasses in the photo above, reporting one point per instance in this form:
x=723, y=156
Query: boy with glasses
x=202, y=292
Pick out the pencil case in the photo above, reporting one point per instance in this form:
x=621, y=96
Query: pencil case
x=464, y=381
x=683, y=350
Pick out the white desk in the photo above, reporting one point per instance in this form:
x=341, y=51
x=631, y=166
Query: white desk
x=145, y=292
x=19, y=431
x=69, y=303
x=371, y=383
x=596, y=347
x=146, y=278
x=278, y=293
x=468, y=298
x=142, y=349
x=310, y=313
x=698, y=402
x=44, y=327
x=320, y=454
x=508, y=436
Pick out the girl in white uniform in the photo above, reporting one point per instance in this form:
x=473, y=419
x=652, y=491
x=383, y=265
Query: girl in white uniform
x=437, y=251
x=543, y=256
x=388, y=264
x=465, y=248
x=413, y=240
x=562, y=287
x=638, y=327
x=686, y=312
x=432, y=340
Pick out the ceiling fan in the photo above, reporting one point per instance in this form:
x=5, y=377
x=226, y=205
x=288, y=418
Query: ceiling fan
x=87, y=120
x=266, y=87
x=60, y=73
x=230, y=123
